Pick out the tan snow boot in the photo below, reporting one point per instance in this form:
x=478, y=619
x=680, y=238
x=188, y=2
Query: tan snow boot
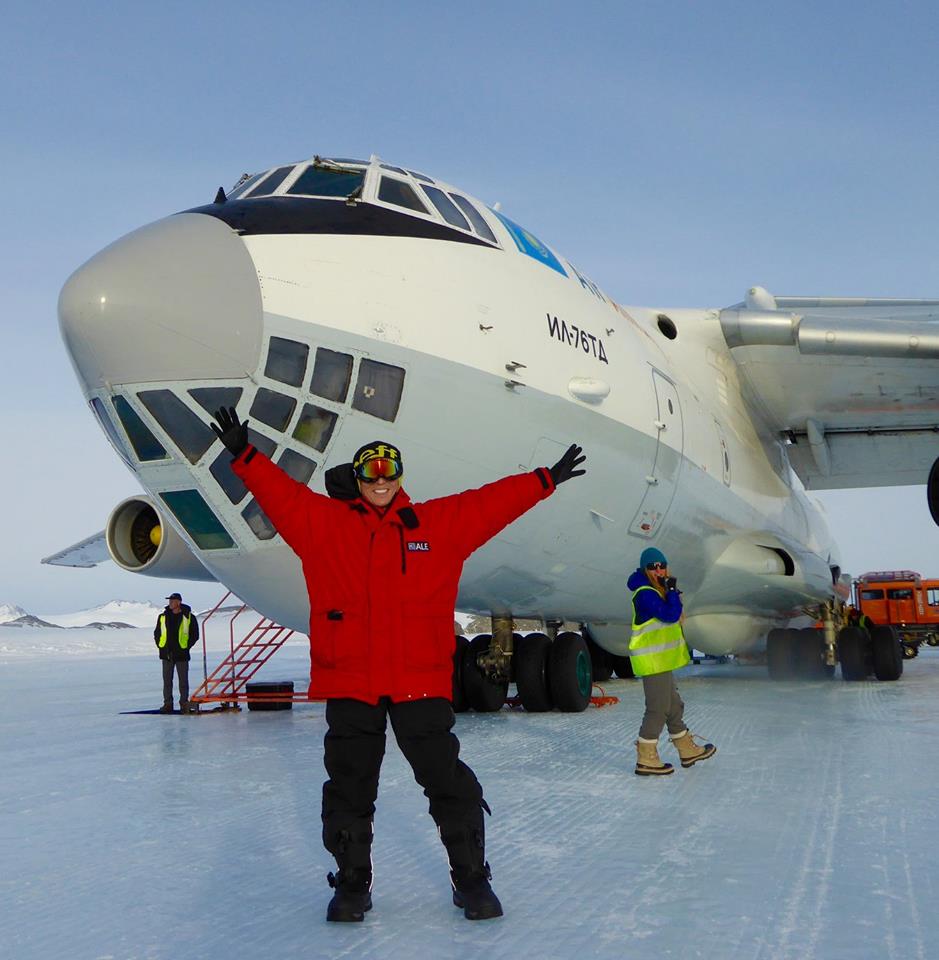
x=690, y=752
x=648, y=763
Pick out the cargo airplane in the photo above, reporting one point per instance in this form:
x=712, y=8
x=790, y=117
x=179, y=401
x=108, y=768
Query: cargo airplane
x=337, y=300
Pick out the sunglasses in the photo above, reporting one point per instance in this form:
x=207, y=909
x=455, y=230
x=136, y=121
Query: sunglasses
x=378, y=469
x=656, y=566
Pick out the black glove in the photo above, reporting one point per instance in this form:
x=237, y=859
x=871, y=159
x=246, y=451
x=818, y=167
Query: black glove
x=564, y=468
x=230, y=430
x=671, y=583
x=340, y=482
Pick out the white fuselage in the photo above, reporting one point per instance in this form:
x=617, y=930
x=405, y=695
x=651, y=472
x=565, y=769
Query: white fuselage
x=506, y=362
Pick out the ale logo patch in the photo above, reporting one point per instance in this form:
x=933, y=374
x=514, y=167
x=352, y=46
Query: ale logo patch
x=418, y=546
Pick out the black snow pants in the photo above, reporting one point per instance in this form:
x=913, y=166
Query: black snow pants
x=355, y=746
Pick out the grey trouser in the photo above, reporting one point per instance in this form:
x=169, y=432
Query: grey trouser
x=182, y=674
x=663, y=706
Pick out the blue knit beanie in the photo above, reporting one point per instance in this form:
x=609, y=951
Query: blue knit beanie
x=651, y=555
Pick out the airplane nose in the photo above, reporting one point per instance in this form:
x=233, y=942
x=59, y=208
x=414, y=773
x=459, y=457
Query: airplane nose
x=176, y=300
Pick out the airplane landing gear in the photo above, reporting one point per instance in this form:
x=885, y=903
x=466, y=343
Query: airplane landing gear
x=550, y=670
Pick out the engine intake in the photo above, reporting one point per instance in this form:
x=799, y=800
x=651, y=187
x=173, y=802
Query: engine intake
x=140, y=541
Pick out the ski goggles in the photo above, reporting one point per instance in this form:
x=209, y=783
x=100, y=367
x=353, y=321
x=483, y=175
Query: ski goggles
x=379, y=468
x=656, y=566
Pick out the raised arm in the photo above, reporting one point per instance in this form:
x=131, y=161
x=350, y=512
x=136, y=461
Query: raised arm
x=476, y=516
x=292, y=507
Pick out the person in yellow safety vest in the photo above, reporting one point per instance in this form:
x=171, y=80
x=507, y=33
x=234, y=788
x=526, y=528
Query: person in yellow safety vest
x=176, y=630
x=656, y=648
x=858, y=619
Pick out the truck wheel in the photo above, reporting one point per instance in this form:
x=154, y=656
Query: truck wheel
x=460, y=704
x=910, y=651
x=623, y=667
x=482, y=694
x=601, y=662
x=888, y=654
x=569, y=673
x=853, y=643
x=531, y=673
x=810, y=655
x=780, y=654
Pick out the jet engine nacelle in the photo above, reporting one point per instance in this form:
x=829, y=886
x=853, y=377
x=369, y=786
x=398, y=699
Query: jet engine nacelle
x=932, y=492
x=141, y=541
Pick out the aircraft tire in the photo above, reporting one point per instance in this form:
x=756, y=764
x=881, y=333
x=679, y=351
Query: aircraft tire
x=460, y=703
x=481, y=694
x=569, y=674
x=888, y=653
x=623, y=668
x=780, y=654
x=600, y=661
x=531, y=673
x=853, y=648
x=809, y=655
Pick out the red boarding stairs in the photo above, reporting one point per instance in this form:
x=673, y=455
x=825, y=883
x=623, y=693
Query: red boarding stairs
x=226, y=687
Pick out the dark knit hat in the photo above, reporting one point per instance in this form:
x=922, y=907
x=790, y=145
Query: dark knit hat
x=377, y=449
x=651, y=555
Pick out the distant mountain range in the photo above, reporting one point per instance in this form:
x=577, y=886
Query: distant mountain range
x=113, y=615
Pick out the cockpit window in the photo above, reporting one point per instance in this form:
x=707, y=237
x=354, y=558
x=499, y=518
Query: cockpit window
x=145, y=444
x=318, y=181
x=420, y=176
x=361, y=163
x=400, y=194
x=286, y=361
x=388, y=166
x=185, y=429
x=447, y=208
x=480, y=225
x=244, y=185
x=271, y=182
x=201, y=524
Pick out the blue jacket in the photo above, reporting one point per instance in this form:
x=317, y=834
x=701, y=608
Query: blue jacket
x=649, y=604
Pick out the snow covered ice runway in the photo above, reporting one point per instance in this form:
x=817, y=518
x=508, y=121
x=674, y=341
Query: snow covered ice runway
x=811, y=834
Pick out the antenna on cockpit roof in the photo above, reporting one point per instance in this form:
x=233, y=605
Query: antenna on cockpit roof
x=220, y=196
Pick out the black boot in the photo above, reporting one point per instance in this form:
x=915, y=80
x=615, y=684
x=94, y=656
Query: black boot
x=352, y=849
x=352, y=898
x=469, y=872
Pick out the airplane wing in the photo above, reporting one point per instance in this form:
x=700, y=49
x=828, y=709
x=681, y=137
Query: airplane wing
x=86, y=553
x=852, y=383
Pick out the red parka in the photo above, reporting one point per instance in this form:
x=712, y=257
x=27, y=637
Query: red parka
x=383, y=586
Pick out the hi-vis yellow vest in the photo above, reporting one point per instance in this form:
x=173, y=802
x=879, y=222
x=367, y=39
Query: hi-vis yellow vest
x=656, y=646
x=183, y=632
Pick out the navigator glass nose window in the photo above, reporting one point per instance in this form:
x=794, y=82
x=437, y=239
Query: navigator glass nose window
x=297, y=466
x=286, y=361
x=185, y=429
x=274, y=409
x=315, y=426
x=200, y=523
x=141, y=437
x=378, y=389
x=211, y=398
x=332, y=374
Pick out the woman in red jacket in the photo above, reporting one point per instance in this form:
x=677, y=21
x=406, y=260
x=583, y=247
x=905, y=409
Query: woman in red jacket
x=382, y=575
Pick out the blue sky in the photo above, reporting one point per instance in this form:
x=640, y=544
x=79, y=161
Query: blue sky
x=678, y=153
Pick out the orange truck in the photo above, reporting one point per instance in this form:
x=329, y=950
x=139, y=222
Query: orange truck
x=902, y=599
